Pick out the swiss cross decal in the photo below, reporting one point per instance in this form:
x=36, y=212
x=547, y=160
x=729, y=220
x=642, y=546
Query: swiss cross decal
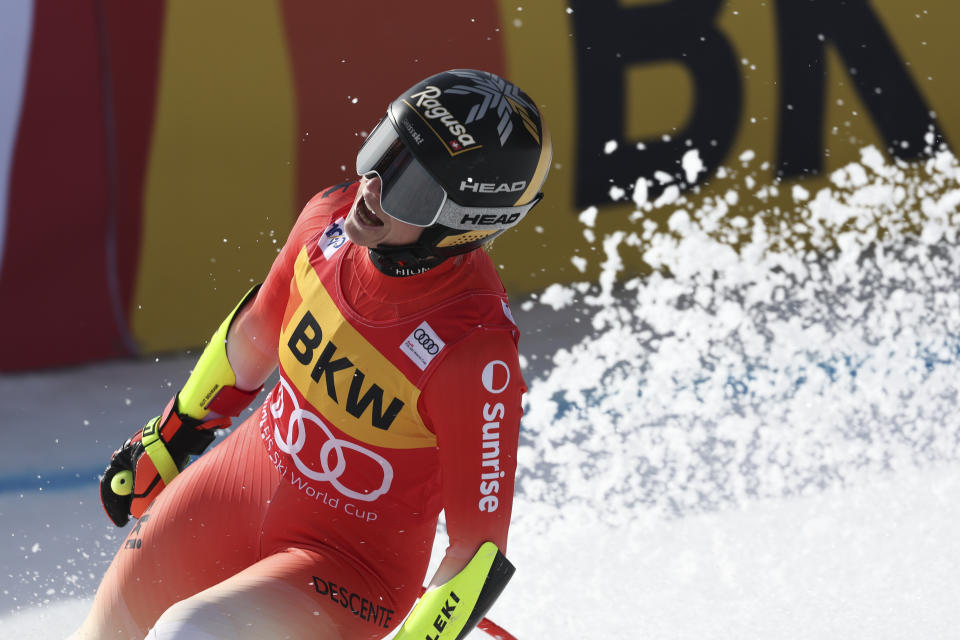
x=454, y=145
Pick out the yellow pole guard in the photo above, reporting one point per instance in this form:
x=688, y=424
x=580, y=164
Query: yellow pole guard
x=444, y=611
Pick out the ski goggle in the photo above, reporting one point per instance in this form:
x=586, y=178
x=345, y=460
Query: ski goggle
x=410, y=194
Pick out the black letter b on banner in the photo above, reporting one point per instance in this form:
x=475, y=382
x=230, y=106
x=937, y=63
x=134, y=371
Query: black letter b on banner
x=609, y=38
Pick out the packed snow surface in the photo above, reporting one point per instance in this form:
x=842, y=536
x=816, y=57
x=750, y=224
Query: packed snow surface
x=756, y=440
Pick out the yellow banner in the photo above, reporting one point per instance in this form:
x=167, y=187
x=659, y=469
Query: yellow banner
x=784, y=92
x=220, y=182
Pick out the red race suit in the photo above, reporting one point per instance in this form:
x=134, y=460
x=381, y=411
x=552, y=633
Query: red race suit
x=398, y=397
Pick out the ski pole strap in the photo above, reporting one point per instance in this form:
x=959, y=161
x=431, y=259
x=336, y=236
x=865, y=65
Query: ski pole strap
x=452, y=610
x=157, y=450
x=168, y=441
x=211, y=385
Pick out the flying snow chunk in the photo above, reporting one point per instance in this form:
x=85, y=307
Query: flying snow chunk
x=871, y=158
x=610, y=147
x=640, y=192
x=557, y=296
x=747, y=155
x=839, y=178
x=692, y=165
x=616, y=193
x=670, y=195
x=589, y=216
x=580, y=263
x=858, y=175
x=663, y=177
x=800, y=194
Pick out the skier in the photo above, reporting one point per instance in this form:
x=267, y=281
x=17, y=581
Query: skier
x=399, y=395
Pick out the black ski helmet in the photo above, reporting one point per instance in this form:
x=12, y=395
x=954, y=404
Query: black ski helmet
x=463, y=154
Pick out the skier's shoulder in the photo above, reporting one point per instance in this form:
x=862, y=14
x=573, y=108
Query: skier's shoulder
x=322, y=211
x=478, y=273
x=331, y=200
x=480, y=298
x=483, y=280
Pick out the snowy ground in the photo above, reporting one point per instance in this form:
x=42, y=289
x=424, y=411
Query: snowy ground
x=877, y=561
x=750, y=443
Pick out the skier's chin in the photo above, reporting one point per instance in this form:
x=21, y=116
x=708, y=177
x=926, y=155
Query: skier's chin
x=363, y=235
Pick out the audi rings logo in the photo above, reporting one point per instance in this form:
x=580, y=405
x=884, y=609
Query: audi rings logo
x=490, y=376
x=426, y=342
x=422, y=345
x=299, y=424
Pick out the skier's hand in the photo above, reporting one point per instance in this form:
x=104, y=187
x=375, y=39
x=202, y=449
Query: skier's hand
x=150, y=459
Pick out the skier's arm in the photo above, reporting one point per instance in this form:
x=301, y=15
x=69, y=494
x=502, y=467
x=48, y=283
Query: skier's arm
x=227, y=377
x=156, y=454
x=473, y=404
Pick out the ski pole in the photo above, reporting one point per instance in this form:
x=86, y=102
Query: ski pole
x=494, y=630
